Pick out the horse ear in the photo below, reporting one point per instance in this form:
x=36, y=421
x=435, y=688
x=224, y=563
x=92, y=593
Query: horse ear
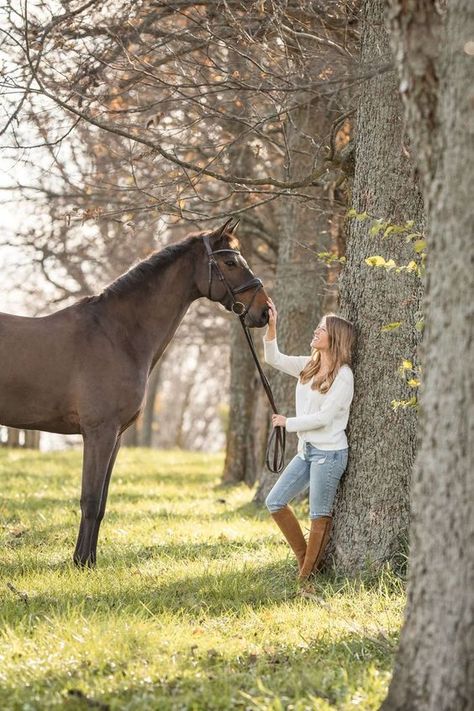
x=232, y=227
x=224, y=228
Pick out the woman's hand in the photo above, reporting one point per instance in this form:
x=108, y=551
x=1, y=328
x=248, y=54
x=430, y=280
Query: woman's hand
x=272, y=321
x=278, y=421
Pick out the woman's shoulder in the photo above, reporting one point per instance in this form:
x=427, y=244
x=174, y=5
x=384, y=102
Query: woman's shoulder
x=345, y=372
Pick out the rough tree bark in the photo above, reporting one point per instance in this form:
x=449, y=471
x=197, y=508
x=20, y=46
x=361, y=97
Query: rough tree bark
x=300, y=277
x=240, y=464
x=434, y=670
x=372, y=507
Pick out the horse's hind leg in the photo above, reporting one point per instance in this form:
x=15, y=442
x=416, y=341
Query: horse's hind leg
x=99, y=449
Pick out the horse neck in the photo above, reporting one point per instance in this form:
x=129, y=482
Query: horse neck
x=149, y=313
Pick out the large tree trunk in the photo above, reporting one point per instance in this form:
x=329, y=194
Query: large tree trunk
x=240, y=462
x=300, y=277
x=372, y=507
x=434, y=670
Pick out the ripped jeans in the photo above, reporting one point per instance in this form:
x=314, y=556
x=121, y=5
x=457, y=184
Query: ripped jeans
x=320, y=470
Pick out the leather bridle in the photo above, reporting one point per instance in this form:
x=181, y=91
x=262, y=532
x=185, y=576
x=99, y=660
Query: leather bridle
x=237, y=307
x=275, y=461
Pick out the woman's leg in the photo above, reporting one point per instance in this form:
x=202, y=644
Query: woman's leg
x=326, y=471
x=325, y=474
x=292, y=481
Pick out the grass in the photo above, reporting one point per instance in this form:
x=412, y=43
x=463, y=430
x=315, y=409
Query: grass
x=193, y=604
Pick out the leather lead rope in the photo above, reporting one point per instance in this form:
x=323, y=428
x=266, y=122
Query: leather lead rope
x=275, y=454
x=275, y=460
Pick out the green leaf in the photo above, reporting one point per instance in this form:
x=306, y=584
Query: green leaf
x=377, y=227
x=419, y=245
x=391, y=326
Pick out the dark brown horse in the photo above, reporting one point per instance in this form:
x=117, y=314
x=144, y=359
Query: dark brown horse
x=84, y=369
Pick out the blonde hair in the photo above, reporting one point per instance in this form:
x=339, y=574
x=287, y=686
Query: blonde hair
x=341, y=335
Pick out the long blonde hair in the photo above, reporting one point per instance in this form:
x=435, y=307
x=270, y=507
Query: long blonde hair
x=341, y=335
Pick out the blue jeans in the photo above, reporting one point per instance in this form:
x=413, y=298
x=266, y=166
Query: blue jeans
x=320, y=470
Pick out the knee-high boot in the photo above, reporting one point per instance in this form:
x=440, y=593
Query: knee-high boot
x=317, y=541
x=291, y=529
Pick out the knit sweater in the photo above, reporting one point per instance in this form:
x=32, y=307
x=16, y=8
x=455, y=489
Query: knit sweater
x=320, y=419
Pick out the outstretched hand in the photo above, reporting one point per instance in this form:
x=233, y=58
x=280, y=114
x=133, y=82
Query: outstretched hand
x=272, y=320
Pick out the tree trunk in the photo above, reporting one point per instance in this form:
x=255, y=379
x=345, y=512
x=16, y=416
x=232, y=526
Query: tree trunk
x=434, y=670
x=240, y=463
x=13, y=437
x=145, y=436
x=372, y=506
x=300, y=277
x=32, y=439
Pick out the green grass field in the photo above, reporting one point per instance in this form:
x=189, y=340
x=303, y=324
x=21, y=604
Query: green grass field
x=193, y=604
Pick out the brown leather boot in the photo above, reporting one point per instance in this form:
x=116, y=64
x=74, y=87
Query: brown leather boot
x=291, y=529
x=317, y=541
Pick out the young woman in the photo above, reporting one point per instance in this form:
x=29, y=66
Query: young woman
x=323, y=397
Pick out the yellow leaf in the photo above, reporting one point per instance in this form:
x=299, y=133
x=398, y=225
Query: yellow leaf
x=375, y=261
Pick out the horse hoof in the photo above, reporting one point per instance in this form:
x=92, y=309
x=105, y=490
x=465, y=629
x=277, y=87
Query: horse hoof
x=84, y=561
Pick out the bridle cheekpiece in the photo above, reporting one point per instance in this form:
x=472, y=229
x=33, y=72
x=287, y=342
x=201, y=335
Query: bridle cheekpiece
x=237, y=307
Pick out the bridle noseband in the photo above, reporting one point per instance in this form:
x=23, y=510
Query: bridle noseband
x=237, y=307
x=275, y=460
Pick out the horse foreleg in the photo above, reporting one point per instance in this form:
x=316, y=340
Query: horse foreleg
x=99, y=452
x=103, y=500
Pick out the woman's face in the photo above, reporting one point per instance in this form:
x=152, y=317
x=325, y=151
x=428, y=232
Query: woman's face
x=320, y=336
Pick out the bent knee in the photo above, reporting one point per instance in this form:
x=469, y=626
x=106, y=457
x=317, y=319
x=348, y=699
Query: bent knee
x=272, y=504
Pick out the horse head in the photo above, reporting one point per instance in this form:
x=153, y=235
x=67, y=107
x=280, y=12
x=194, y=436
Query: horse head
x=223, y=275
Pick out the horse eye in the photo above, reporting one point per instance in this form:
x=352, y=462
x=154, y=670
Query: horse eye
x=230, y=263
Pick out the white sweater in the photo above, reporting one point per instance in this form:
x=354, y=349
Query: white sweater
x=321, y=419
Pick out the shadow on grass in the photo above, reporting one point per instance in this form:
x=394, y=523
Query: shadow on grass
x=115, y=557
x=213, y=593
x=335, y=671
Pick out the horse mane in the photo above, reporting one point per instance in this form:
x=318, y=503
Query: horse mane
x=147, y=268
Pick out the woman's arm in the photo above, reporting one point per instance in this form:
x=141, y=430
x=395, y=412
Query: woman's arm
x=339, y=396
x=292, y=365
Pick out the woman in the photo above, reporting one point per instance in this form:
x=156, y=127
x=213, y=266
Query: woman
x=323, y=397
